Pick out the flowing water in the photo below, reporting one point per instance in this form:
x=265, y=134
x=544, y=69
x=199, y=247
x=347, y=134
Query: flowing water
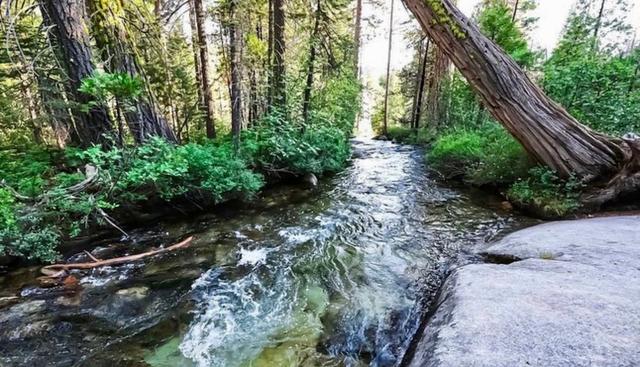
x=337, y=276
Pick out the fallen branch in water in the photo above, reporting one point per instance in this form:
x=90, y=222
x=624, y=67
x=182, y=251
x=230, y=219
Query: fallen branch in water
x=47, y=270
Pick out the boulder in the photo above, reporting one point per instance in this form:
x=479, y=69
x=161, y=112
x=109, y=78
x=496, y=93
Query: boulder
x=571, y=298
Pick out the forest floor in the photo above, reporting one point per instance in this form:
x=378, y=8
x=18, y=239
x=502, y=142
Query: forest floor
x=556, y=294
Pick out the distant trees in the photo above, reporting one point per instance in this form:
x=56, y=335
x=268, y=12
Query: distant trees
x=86, y=72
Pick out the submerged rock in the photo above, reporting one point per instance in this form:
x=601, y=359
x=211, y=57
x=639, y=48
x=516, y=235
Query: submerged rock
x=573, y=301
x=134, y=293
x=310, y=180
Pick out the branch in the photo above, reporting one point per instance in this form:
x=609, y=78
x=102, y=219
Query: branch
x=115, y=261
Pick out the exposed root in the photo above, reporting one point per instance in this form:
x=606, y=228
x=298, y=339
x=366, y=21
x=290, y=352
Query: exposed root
x=626, y=182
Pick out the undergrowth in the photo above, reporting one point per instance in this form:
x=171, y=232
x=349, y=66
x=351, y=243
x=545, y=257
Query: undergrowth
x=45, y=196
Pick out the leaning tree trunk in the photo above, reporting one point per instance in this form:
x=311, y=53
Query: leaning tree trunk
x=547, y=132
x=68, y=22
x=143, y=119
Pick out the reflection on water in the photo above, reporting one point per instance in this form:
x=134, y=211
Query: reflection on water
x=336, y=277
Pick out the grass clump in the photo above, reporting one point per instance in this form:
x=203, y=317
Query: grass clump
x=544, y=193
x=485, y=156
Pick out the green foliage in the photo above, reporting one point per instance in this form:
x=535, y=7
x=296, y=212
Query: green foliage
x=278, y=145
x=487, y=156
x=598, y=88
x=104, y=86
x=405, y=135
x=495, y=21
x=546, y=194
x=337, y=102
x=166, y=170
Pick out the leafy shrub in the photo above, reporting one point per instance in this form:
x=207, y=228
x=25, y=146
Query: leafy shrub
x=44, y=210
x=278, y=145
x=16, y=236
x=158, y=167
x=546, y=194
x=487, y=156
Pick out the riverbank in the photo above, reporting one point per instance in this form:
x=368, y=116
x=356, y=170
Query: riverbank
x=297, y=277
x=49, y=197
x=487, y=157
x=557, y=294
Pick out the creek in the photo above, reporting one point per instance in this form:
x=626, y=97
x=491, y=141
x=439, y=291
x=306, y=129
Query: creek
x=341, y=275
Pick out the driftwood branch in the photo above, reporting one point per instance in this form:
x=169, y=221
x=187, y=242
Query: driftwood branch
x=115, y=261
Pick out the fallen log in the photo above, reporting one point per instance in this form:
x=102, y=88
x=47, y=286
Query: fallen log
x=47, y=270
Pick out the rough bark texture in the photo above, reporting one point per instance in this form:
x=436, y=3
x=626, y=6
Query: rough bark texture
x=68, y=22
x=547, y=132
x=278, y=72
x=205, y=80
x=143, y=119
x=439, y=72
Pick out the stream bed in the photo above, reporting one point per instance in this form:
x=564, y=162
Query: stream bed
x=340, y=275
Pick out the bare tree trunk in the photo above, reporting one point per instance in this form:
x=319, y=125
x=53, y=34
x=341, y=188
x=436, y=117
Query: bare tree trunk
x=515, y=11
x=439, y=72
x=270, y=55
x=386, y=87
x=306, y=100
x=596, y=29
x=143, y=119
x=278, y=72
x=196, y=52
x=546, y=131
x=357, y=36
x=417, y=86
x=236, y=75
x=68, y=22
x=205, y=80
x=423, y=74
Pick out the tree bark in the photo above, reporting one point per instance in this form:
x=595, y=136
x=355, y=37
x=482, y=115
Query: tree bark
x=143, y=119
x=420, y=95
x=357, y=36
x=439, y=72
x=68, y=22
x=205, y=80
x=306, y=100
x=236, y=75
x=385, y=121
x=546, y=131
x=196, y=52
x=278, y=67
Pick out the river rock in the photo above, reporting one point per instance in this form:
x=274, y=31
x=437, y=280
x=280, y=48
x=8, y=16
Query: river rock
x=134, y=293
x=310, y=180
x=573, y=300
